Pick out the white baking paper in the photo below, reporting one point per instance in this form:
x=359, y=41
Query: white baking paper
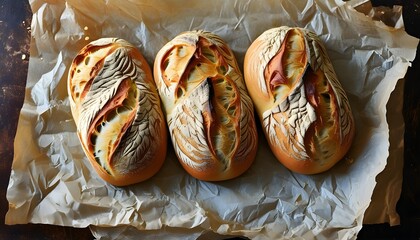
x=52, y=181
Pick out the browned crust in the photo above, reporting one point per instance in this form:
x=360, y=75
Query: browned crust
x=116, y=178
x=221, y=123
x=322, y=153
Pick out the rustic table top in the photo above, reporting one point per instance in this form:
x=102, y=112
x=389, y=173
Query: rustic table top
x=15, y=19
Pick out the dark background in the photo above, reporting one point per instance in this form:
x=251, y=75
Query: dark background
x=15, y=19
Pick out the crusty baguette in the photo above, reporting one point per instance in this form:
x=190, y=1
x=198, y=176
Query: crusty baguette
x=304, y=111
x=207, y=107
x=117, y=111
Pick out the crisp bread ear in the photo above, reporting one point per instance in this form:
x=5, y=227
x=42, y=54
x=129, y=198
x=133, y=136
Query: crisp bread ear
x=286, y=68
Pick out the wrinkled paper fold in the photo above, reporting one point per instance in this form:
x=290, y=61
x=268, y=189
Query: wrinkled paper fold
x=52, y=181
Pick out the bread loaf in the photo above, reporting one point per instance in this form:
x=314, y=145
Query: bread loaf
x=117, y=111
x=207, y=107
x=304, y=111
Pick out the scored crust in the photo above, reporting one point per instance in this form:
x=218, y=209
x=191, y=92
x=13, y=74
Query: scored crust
x=207, y=107
x=117, y=111
x=304, y=111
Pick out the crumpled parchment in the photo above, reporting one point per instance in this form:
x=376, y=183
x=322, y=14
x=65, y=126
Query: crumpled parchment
x=52, y=181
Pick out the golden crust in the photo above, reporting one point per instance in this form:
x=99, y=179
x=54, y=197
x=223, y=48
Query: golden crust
x=117, y=111
x=304, y=111
x=207, y=107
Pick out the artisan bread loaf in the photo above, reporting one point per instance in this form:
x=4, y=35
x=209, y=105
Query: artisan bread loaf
x=117, y=111
x=207, y=107
x=304, y=111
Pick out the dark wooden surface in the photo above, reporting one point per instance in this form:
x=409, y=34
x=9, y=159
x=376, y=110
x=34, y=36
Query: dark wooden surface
x=15, y=22
x=15, y=18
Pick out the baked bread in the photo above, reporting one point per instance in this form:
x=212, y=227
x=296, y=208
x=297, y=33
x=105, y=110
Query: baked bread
x=303, y=109
x=207, y=107
x=117, y=111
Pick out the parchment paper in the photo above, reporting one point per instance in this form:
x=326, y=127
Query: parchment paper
x=52, y=181
x=382, y=208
